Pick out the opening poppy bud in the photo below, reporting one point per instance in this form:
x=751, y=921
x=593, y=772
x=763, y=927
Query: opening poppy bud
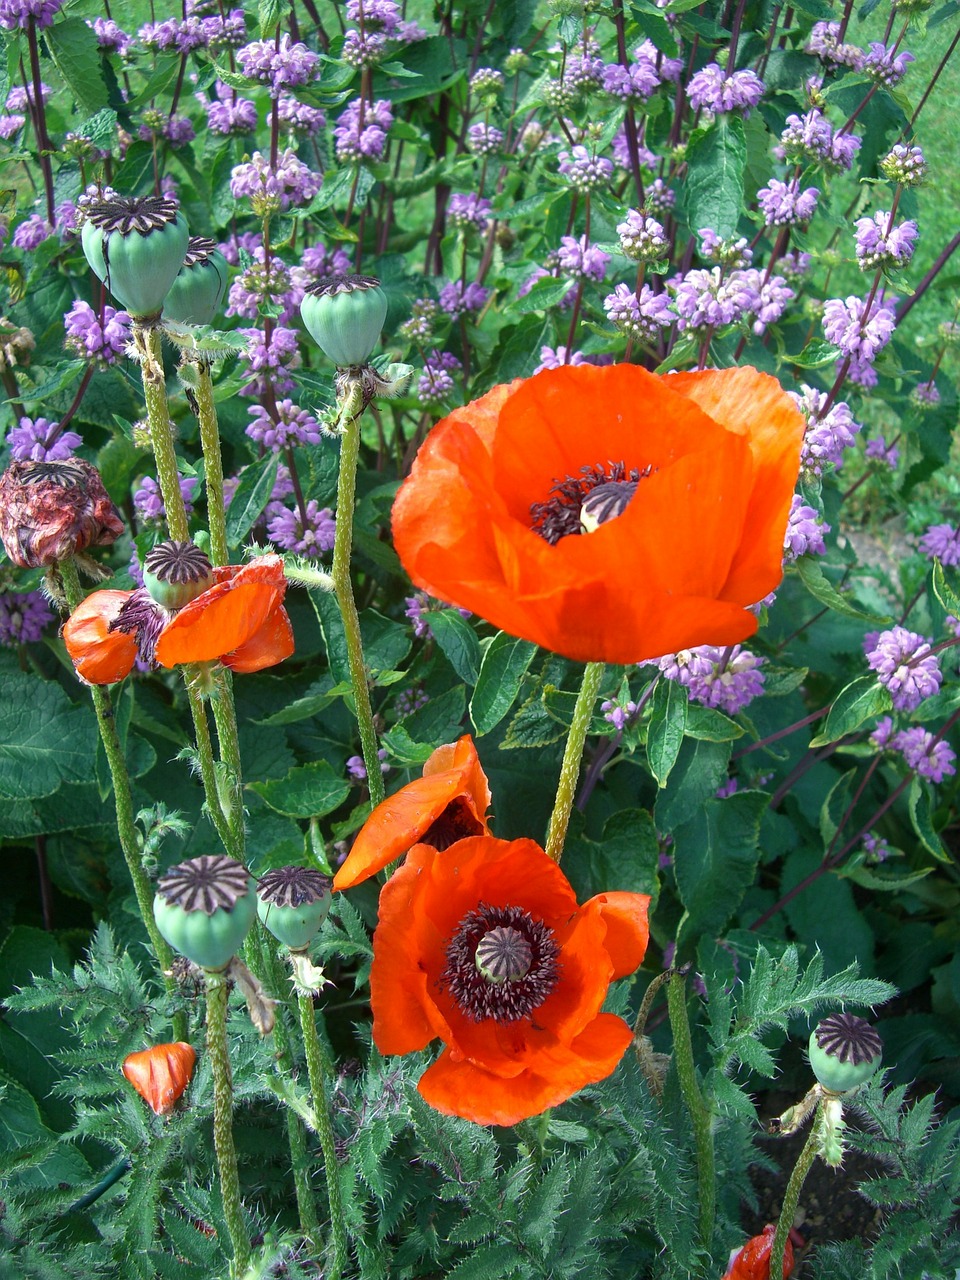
x=204, y=908
x=345, y=316
x=196, y=294
x=293, y=903
x=844, y=1052
x=49, y=511
x=136, y=245
x=161, y=1073
x=503, y=955
x=175, y=573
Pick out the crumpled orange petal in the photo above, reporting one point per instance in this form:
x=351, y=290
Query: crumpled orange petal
x=752, y=1260
x=161, y=1073
x=499, y=1071
x=701, y=540
x=453, y=790
x=100, y=656
x=226, y=616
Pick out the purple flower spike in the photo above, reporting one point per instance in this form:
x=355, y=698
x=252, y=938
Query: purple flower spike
x=905, y=666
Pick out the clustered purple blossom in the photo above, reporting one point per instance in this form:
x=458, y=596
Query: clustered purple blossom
x=642, y=238
x=10, y=126
x=725, y=678
x=410, y=700
x=23, y=616
x=925, y=394
x=706, y=299
x=484, y=139
x=878, y=450
x=905, y=666
x=880, y=243
x=905, y=165
x=436, y=381
x=582, y=260
x=634, y=83
x=811, y=138
x=104, y=342
x=32, y=232
x=876, y=847
x=620, y=150
x=458, y=299
x=860, y=334
x=300, y=118
x=228, y=113
x=148, y=500
x=640, y=317
x=292, y=426
x=357, y=769
x=20, y=95
x=884, y=65
x=17, y=13
x=805, y=531
x=943, y=542
x=826, y=44
x=713, y=89
x=557, y=357
x=660, y=198
x=618, y=713
x=928, y=756
x=827, y=434
x=725, y=253
x=258, y=286
x=486, y=82
x=318, y=261
x=380, y=21
x=361, y=131
x=420, y=604
x=309, y=537
x=419, y=328
x=783, y=204
x=290, y=183
x=281, y=67
x=271, y=361
x=28, y=442
x=110, y=36
x=467, y=209
x=583, y=170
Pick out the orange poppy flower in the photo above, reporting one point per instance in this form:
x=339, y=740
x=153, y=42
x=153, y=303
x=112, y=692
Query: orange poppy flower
x=161, y=1073
x=240, y=620
x=483, y=945
x=752, y=1260
x=678, y=489
x=450, y=801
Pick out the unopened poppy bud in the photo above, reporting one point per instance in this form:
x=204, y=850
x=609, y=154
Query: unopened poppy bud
x=175, y=573
x=345, y=317
x=844, y=1052
x=136, y=245
x=196, y=294
x=50, y=511
x=293, y=903
x=161, y=1073
x=204, y=908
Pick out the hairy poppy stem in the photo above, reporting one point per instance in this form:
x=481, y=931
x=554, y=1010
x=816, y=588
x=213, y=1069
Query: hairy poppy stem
x=212, y=464
x=130, y=841
x=699, y=1115
x=791, y=1197
x=319, y=1069
x=208, y=772
x=572, y=756
x=225, y=718
x=146, y=339
x=343, y=588
x=217, y=989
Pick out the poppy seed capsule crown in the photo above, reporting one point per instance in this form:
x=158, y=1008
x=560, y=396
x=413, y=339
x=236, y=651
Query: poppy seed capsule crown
x=135, y=245
x=293, y=904
x=204, y=908
x=345, y=317
x=844, y=1052
x=196, y=294
x=175, y=573
x=51, y=510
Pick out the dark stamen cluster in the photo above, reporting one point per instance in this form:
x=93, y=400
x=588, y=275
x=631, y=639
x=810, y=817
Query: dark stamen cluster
x=199, y=249
x=126, y=214
x=205, y=884
x=178, y=562
x=848, y=1038
x=293, y=886
x=329, y=286
x=141, y=616
x=456, y=822
x=560, y=516
x=501, y=997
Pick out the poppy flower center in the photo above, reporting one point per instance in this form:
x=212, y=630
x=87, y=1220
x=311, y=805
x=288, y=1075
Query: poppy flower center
x=581, y=504
x=456, y=822
x=502, y=963
x=141, y=616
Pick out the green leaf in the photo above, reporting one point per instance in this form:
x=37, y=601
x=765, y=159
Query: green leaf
x=309, y=791
x=45, y=739
x=715, y=859
x=668, y=722
x=268, y=15
x=713, y=193
x=711, y=725
x=945, y=591
x=250, y=497
x=920, y=803
x=631, y=851
x=73, y=47
x=815, y=355
x=815, y=580
x=501, y=672
x=458, y=640
x=862, y=699
x=545, y=293
x=438, y=720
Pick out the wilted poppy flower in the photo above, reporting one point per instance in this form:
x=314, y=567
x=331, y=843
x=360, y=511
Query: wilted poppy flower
x=752, y=1260
x=607, y=513
x=484, y=946
x=161, y=1074
x=50, y=511
x=450, y=801
x=240, y=621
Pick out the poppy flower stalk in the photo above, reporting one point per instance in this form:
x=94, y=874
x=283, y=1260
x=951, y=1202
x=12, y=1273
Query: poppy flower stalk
x=572, y=757
x=699, y=1114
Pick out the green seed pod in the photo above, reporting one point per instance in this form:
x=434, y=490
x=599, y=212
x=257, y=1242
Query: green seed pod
x=205, y=907
x=844, y=1052
x=136, y=245
x=345, y=315
x=196, y=294
x=175, y=573
x=293, y=903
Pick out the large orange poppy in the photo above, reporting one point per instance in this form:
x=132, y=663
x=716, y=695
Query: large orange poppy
x=483, y=946
x=450, y=801
x=693, y=473
x=240, y=620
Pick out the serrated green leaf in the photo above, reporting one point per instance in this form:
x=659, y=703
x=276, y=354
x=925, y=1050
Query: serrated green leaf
x=715, y=860
x=861, y=700
x=716, y=159
x=920, y=805
x=667, y=726
x=73, y=47
x=944, y=590
x=822, y=589
x=458, y=641
x=502, y=669
x=45, y=739
x=268, y=16
x=815, y=355
x=308, y=791
x=251, y=497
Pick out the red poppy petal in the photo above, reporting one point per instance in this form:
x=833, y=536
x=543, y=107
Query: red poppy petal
x=627, y=930
x=217, y=622
x=271, y=644
x=466, y=1089
x=100, y=655
x=161, y=1073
